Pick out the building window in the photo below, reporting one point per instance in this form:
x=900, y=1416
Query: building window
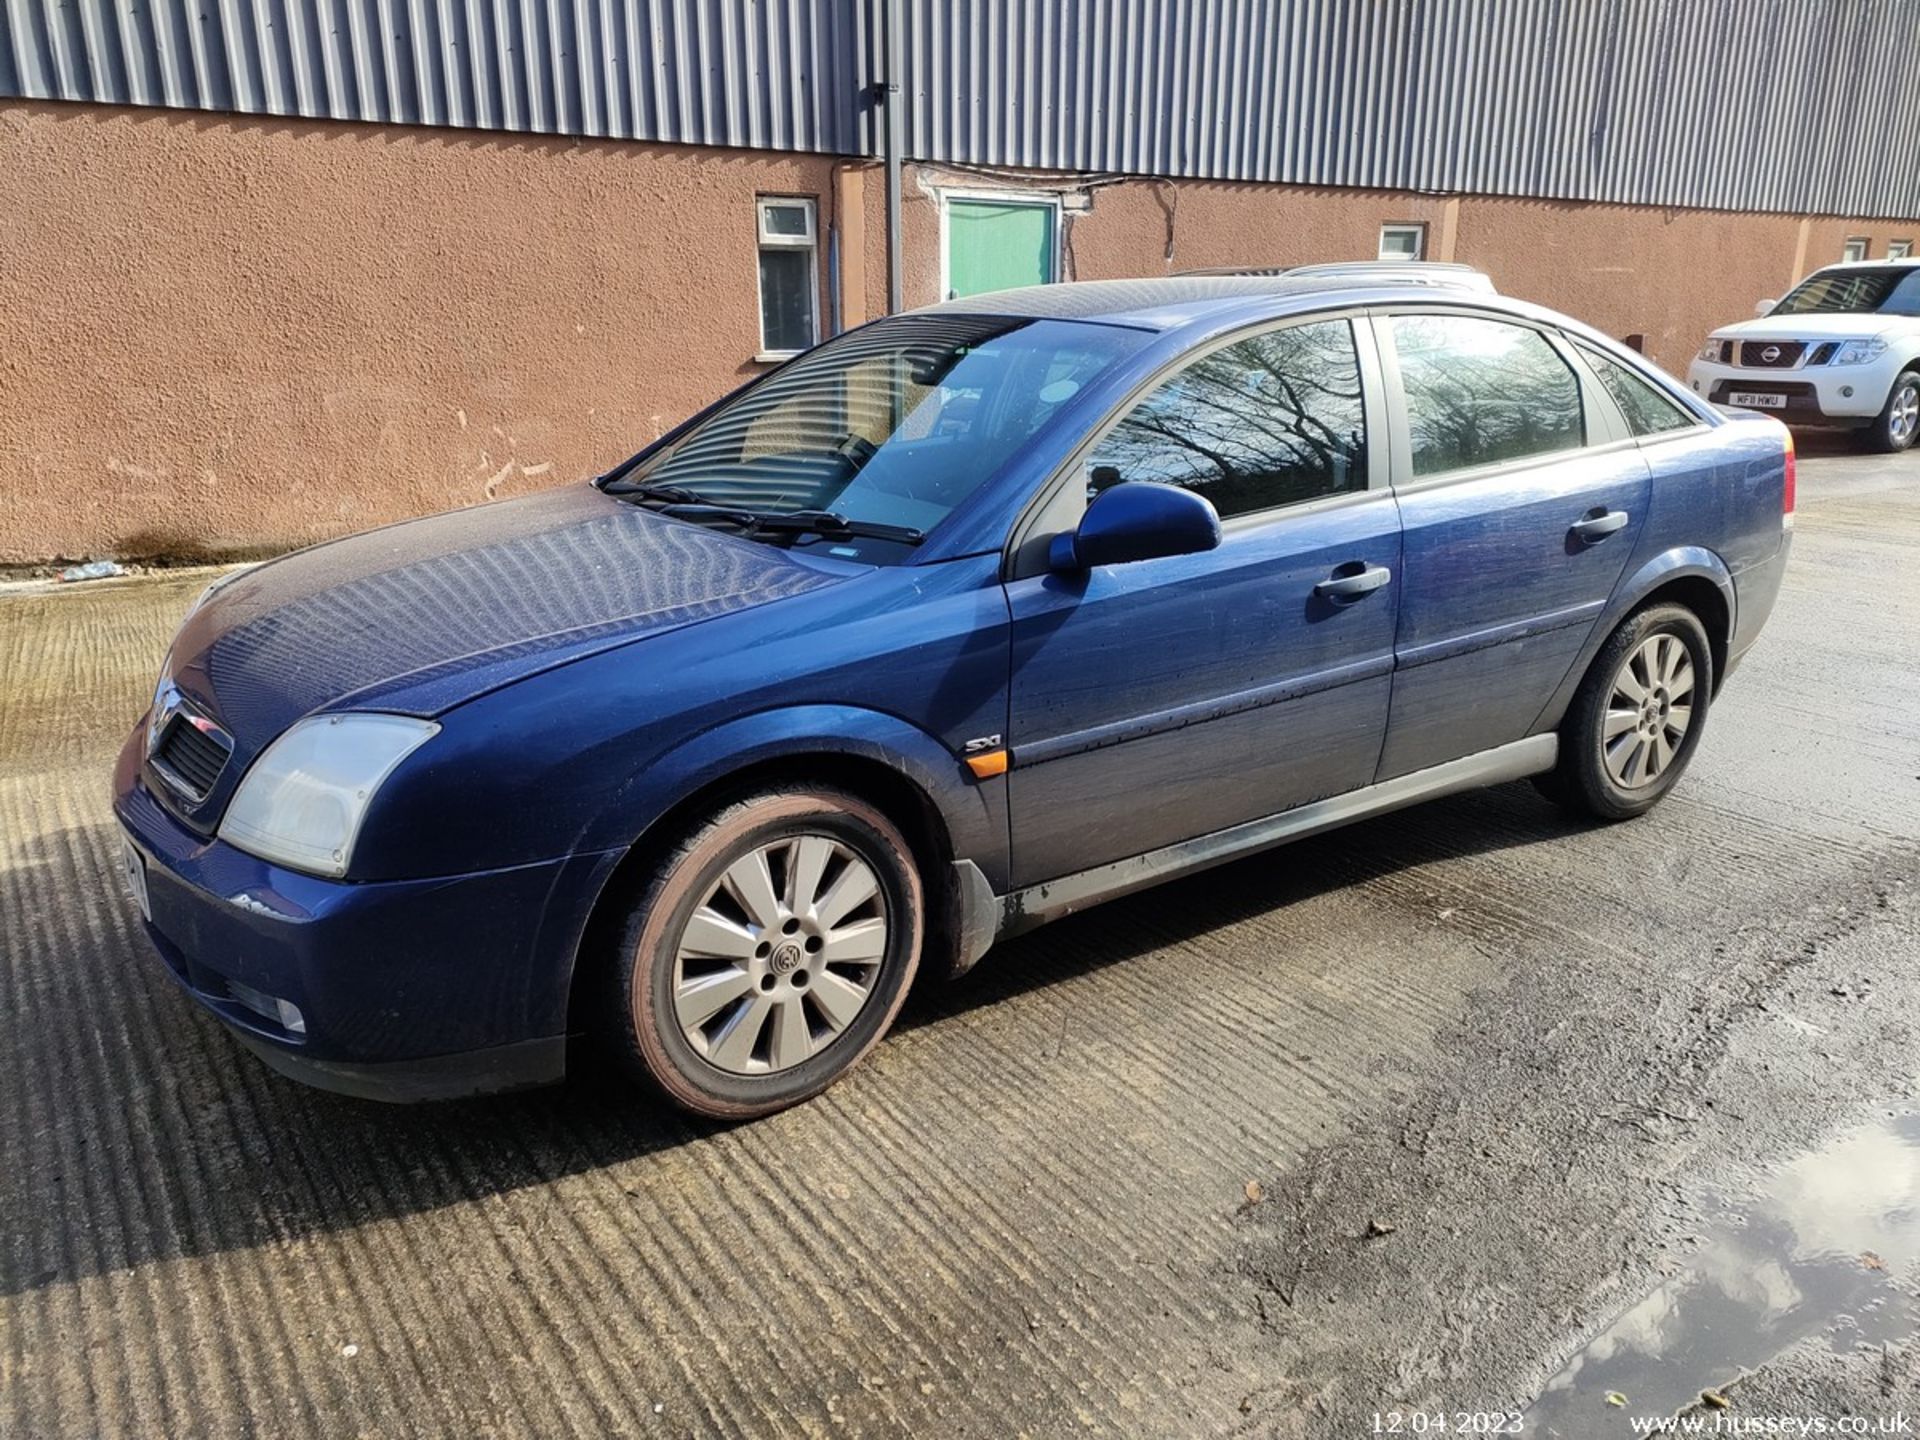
x=1403, y=242
x=1855, y=249
x=1899, y=249
x=789, y=277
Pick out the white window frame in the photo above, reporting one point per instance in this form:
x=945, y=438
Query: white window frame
x=1049, y=199
x=1900, y=249
x=809, y=242
x=1404, y=227
x=1855, y=249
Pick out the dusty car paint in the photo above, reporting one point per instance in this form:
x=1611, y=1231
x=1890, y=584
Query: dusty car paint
x=593, y=668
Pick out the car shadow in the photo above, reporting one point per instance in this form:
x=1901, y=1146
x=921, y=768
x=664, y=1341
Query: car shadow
x=1828, y=444
x=134, y=1120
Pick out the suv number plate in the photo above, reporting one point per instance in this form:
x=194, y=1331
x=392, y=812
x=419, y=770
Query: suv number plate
x=1757, y=400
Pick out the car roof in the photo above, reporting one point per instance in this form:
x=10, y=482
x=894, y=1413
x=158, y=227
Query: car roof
x=1177, y=301
x=1399, y=272
x=1898, y=262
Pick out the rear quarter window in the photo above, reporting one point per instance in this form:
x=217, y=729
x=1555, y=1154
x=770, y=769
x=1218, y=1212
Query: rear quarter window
x=1647, y=411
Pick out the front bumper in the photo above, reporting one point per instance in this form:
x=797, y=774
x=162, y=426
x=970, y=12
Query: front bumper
x=1841, y=396
x=405, y=990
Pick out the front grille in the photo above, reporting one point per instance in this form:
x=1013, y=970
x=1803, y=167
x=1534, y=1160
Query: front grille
x=1823, y=353
x=1770, y=354
x=190, y=757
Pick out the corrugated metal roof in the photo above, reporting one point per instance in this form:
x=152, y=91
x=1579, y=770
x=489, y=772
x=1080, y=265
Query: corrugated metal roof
x=1796, y=105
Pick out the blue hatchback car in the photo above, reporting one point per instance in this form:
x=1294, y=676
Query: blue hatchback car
x=962, y=621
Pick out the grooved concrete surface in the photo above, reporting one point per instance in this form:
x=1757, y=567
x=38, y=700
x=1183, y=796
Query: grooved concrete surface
x=1514, y=1039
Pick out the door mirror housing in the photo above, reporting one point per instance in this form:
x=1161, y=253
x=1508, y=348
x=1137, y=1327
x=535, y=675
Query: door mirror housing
x=1136, y=520
x=1765, y=307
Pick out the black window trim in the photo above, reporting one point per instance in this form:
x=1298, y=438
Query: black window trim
x=1603, y=428
x=1058, y=503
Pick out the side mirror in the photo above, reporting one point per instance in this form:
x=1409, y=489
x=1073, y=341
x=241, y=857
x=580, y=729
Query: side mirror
x=1765, y=307
x=1136, y=520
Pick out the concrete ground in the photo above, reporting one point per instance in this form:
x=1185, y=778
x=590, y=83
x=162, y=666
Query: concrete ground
x=1396, y=1119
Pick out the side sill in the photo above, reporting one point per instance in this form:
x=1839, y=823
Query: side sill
x=1052, y=899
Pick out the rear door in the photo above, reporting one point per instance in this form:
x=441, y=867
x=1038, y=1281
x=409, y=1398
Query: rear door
x=1160, y=700
x=1520, y=500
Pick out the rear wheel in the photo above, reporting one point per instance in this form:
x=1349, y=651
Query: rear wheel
x=1637, y=717
x=769, y=952
x=1899, y=422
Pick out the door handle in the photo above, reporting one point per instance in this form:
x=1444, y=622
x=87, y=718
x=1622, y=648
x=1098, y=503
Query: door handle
x=1350, y=581
x=1597, y=524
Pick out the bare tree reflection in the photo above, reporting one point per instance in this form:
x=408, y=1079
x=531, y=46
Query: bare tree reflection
x=1480, y=392
x=1267, y=421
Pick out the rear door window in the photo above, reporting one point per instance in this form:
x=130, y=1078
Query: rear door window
x=1483, y=392
x=1275, y=419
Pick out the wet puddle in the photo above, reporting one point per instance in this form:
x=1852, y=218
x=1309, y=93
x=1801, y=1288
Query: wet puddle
x=1829, y=1246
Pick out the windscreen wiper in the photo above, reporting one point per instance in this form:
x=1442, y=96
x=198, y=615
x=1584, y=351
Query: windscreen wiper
x=671, y=494
x=834, y=525
x=672, y=500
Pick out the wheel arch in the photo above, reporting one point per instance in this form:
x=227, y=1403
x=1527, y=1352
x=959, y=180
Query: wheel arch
x=1690, y=575
x=1704, y=598
x=909, y=775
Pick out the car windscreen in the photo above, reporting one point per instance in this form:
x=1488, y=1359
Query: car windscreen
x=1886, y=289
x=888, y=427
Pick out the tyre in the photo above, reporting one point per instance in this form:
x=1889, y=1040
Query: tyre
x=1899, y=420
x=1637, y=717
x=767, y=953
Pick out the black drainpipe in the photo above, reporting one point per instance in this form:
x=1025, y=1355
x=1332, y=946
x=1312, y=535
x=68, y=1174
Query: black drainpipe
x=893, y=141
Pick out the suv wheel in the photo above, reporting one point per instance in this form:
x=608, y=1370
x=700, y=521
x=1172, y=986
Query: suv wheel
x=1637, y=717
x=1899, y=421
x=768, y=953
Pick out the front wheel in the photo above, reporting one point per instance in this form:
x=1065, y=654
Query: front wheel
x=1899, y=421
x=768, y=953
x=1637, y=717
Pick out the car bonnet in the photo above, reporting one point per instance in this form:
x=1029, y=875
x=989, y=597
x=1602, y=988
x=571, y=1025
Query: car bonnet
x=421, y=616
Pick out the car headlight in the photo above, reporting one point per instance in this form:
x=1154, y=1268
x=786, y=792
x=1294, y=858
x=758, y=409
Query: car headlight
x=302, y=802
x=1710, y=350
x=1859, y=352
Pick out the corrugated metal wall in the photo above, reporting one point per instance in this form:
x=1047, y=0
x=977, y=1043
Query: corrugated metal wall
x=1804, y=105
x=1797, y=105
x=775, y=74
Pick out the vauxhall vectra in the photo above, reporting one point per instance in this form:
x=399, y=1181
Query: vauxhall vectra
x=962, y=621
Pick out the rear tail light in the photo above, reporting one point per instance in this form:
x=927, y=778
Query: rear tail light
x=1787, y=490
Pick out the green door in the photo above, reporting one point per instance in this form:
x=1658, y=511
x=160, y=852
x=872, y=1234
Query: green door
x=997, y=244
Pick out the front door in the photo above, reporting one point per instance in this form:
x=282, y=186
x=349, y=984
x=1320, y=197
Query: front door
x=1519, y=507
x=995, y=244
x=1160, y=700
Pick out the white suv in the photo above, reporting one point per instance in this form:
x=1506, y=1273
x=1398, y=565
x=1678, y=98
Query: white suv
x=1842, y=350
